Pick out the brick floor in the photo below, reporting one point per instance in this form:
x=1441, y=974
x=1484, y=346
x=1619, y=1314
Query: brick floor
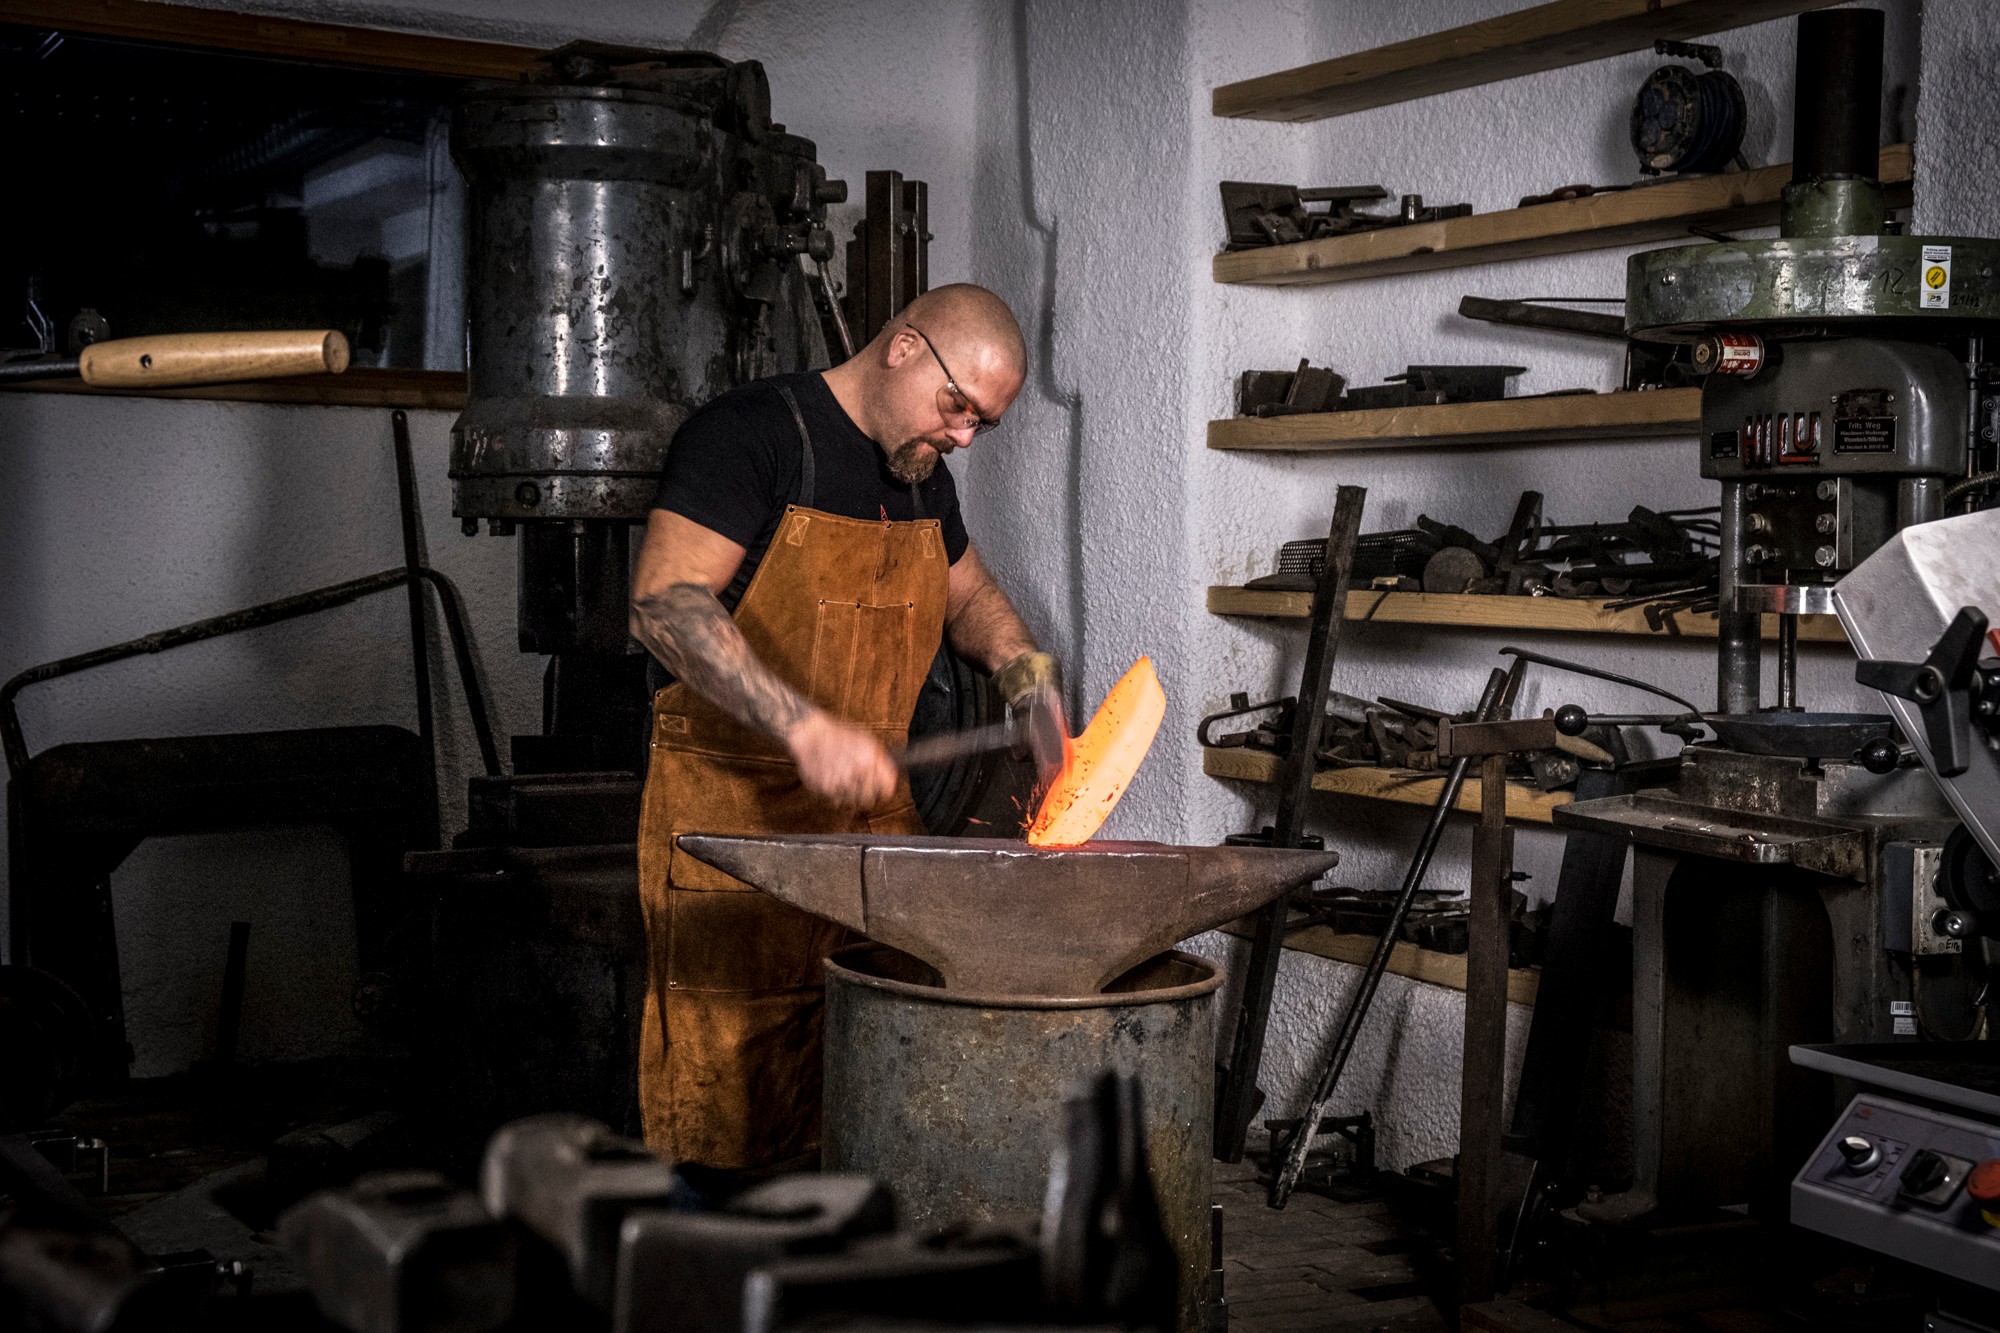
x=1318, y=1266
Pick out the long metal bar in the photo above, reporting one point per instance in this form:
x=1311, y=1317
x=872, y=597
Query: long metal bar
x=1238, y=1097
x=413, y=563
x=15, y=743
x=1491, y=702
x=1483, y=1057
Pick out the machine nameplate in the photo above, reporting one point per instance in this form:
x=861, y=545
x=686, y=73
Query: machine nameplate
x=1864, y=435
x=1724, y=444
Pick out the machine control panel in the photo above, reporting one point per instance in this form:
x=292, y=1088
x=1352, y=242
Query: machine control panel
x=1907, y=1181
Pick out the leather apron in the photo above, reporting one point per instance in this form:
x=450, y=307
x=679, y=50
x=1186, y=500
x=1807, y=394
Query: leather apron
x=849, y=613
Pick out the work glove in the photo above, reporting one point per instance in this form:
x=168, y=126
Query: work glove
x=1032, y=685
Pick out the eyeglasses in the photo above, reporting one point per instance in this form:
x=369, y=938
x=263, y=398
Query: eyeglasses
x=953, y=402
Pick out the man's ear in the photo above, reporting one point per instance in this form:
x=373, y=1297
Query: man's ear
x=900, y=346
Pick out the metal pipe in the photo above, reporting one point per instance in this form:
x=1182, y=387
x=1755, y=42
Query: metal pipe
x=1837, y=95
x=1739, y=652
x=1491, y=703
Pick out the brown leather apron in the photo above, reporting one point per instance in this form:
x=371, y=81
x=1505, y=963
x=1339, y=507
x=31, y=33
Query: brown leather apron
x=849, y=613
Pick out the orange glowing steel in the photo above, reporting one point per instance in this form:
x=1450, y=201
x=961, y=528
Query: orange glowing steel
x=1108, y=753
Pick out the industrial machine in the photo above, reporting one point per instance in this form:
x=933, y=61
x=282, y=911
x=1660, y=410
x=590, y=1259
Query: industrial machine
x=636, y=226
x=1911, y=1168
x=1781, y=884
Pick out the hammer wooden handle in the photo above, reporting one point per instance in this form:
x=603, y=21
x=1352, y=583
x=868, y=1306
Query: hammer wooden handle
x=212, y=358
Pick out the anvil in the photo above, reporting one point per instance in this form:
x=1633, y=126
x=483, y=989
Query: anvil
x=999, y=917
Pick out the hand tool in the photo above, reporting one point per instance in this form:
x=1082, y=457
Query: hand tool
x=172, y=359
x=1041, y=730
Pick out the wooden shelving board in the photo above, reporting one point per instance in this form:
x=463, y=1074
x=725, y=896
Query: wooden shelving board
x=1405, y=959
x=266, y=35
x=1527, y=41
x=1624, y=217
x=1544, y=420
x=1403, y=786
x=441, y=390
x=1569, y=615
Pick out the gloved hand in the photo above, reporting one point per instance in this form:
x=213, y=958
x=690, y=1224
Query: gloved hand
x=1032, y=685
x=1021, y=679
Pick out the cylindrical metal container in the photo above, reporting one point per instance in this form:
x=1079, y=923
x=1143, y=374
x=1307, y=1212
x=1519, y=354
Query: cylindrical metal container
x=956, y=1100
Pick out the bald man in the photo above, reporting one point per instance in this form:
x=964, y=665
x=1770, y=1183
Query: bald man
x=804, y=559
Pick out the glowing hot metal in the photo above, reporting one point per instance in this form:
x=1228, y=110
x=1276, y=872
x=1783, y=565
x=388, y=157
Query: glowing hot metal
x=1106, y=757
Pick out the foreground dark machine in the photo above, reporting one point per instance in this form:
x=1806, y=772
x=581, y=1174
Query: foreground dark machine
x=571, y=1226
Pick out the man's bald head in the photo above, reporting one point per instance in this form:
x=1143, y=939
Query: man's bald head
x=969, y=317
x=948, y=361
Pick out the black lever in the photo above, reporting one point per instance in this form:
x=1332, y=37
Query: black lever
x=1940, y=686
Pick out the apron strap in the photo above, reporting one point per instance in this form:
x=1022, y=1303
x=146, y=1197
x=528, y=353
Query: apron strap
x=806, y=470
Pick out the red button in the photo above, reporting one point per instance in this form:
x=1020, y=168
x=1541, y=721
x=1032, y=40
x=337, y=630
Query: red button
x=1984, y=1182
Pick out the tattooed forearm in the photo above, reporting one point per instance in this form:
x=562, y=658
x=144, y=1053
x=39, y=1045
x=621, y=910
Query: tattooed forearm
x=687, y=629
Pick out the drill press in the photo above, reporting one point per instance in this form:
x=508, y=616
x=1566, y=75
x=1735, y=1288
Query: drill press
x=1775, y=883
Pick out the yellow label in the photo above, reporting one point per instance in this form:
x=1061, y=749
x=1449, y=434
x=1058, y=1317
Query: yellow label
x=1934, y=276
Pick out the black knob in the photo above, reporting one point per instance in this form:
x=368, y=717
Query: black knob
x=1859, y=1153
x=1925, y=1173
x=1572, y=720
x=1880, y=755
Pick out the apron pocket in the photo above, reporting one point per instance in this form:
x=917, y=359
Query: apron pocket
x=859, y=654
x=744, y=942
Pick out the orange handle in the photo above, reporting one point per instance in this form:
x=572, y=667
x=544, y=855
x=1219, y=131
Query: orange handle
x=212, y=358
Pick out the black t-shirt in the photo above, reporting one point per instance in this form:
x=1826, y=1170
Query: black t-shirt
x=734, y=465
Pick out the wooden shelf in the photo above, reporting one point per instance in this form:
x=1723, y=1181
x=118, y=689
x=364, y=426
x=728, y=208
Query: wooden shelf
x=439, y=390
x=1527, y=41
x=1403, y=786
x=1568, y=615
x=265, y=35
x=1405, y=959
x=1625, y=217
x=1561, y=417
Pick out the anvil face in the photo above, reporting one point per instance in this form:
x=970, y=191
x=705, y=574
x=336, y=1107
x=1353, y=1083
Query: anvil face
x=998, y=917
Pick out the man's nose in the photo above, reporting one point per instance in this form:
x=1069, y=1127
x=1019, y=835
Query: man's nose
x=961, y=436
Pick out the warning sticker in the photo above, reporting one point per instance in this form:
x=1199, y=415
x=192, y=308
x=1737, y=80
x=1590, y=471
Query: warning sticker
x=1936, y=278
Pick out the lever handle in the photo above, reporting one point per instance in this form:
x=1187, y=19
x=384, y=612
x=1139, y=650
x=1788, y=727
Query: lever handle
x=1940, y=686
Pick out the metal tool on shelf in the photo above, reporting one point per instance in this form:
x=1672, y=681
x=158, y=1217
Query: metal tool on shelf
x=1258, y=215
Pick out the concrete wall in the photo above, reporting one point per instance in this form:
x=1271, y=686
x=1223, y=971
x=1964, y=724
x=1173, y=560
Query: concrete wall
x=1073, y=166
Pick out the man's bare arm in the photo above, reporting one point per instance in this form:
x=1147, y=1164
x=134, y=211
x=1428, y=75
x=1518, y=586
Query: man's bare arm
x=675, y=615
x=980, y=621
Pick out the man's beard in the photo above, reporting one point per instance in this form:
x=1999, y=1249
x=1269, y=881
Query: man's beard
x=913, y=461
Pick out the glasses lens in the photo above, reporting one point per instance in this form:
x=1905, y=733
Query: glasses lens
x=958, y=414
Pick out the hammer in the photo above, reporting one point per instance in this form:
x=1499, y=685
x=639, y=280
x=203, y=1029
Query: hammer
x=1041, y=728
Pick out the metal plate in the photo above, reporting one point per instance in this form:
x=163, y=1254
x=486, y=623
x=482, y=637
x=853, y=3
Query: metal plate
x=1800, y=735
x=1727, y=835
x=1964, y=1075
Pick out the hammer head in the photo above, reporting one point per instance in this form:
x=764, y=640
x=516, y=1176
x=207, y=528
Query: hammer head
x=1043, y=728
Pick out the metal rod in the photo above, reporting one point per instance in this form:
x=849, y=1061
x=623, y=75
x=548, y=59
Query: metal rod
x=1491, y=703
x=229, y=1014
x=833, y=306
x=1483, y=1056
x=413, y=564
x=1564, y=664
x=15, y=743
x=1788, y=660
x=1238, y=1096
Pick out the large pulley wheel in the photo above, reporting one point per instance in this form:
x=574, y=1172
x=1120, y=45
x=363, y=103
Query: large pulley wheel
x=1969, y=882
